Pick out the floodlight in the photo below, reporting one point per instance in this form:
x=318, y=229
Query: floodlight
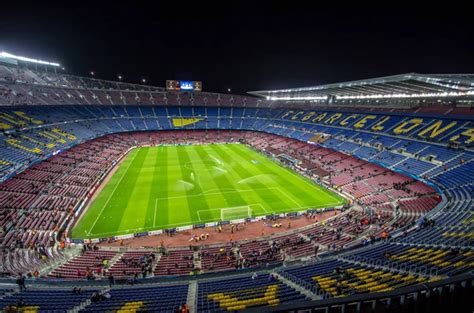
x=25, y=59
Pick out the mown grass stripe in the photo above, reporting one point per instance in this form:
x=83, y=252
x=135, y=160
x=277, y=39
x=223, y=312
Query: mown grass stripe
x=206, y=176
x=120, y=196
x=123, y=194
x=164, y=173
x=301, y=190
x=98, y=206
x=225, y=184
x=248, y=198
x=243, y=172
x=157, y=185
x=140, y=191
x=199, y=202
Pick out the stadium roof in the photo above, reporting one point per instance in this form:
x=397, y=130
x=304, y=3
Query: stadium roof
x=410, y=85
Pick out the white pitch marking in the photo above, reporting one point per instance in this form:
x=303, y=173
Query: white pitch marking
x=291, y=198
x=154, y=214
x=216, y=193
x=205, y=193
x=191, y=222
x=305, y=179
x=112, y=193
x=239, y=206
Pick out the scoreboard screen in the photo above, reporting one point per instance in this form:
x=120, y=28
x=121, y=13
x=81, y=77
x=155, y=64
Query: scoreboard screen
x=183, y=85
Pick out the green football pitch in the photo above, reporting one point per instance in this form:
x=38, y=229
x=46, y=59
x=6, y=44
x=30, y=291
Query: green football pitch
x=171, y=186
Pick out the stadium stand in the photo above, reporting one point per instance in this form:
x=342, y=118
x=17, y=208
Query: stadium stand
x=408, y=172
x=33, y=300
x=242, y=293
x=164, y=299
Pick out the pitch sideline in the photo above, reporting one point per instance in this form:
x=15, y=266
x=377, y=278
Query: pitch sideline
x=111, y=194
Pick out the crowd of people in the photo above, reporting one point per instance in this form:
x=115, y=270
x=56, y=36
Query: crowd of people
x=144, y=263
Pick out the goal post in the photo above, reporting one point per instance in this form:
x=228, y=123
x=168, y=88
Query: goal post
x=236, y=213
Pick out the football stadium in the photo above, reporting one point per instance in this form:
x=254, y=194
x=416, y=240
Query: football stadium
x=350, y=196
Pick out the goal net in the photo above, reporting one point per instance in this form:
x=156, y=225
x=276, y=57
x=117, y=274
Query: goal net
x=236, y=213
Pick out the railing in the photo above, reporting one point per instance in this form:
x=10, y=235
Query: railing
x=392, y=265
x=304, y=284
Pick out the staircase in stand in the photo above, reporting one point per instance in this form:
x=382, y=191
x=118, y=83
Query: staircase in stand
x=191, y=299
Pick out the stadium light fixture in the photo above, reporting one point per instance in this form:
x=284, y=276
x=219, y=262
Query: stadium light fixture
x=298, y=98
x=25, y=59
x=405, y=96
x=143, y=80
x=92, y=73
x=380, y=96
x=119, y=77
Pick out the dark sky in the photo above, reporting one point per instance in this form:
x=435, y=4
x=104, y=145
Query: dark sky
x=240, y=46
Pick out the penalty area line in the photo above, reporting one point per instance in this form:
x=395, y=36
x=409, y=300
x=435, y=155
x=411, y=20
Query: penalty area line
x=240, y=206
x=291, y=198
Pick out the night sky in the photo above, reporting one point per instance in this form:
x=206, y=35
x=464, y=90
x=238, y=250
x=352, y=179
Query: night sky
x=244, y=47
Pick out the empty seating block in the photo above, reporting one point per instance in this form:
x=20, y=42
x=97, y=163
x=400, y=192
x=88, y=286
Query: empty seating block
x=144, y=299
x=46, y=300
x=245, y=292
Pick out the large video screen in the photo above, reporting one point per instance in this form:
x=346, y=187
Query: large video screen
x=183, y=85
x=186, y=85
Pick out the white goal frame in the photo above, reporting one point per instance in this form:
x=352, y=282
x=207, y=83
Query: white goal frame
x=245, y=209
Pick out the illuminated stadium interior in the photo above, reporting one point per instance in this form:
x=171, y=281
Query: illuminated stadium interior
x=146, y=194
x=405, y=172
